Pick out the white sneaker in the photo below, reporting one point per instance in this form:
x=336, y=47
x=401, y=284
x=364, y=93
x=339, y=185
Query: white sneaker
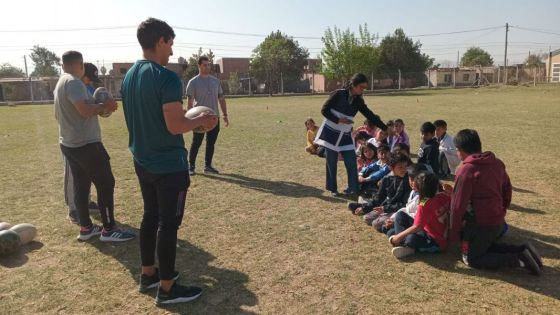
x=402, y=251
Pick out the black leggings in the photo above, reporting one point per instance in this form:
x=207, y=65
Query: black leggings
x=164, y=204
x=90, y=163
x=211, y=138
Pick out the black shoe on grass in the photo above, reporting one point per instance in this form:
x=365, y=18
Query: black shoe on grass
x=152, y=282
x=177, y=294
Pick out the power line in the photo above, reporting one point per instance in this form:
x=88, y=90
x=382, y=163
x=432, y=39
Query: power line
x=536, y=30
x=457, y=32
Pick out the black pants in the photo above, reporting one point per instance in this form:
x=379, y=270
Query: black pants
x=480, y=250
x=90, y=163
x=164, y=204
x=211, y=137
x=444, y=170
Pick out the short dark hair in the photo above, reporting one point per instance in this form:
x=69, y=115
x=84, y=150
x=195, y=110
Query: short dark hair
x=202, y=58
x=440, y=123
x=427, y=184
x=384, y=148
x=415, y=169
x=399, y=121
x=390, y=122
x=468, y=141
x=362, y=135
x=358, y=79
x=428, y=127
x=71, y=56
x=402, y=147
x=150, y=31
x=397, y=158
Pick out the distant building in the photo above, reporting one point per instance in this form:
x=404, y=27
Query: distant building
x=18, y=89
x=113, y=81
x=553, y=66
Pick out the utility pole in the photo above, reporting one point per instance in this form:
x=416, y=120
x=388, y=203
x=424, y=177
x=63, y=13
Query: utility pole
x=30, y=82
x=457, y=59
x=505, y=55
x=282, y=82
x=399, y=79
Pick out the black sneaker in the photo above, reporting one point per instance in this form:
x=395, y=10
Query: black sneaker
x=152, y=282
x=177, y=294
x=352, y=206
x=530, y=263
x=535, y=254
x=210, y=170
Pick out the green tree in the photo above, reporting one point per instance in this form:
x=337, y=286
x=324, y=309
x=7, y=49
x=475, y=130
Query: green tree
x=233, y=83
x=45, y=61
x=533, y=61
x=192, y=68
x=399, y=52
x=9, y=71
x=346, y=53
x=279, y=57
x=476, y=56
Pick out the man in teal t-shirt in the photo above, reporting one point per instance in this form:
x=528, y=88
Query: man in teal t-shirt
x=152, y=103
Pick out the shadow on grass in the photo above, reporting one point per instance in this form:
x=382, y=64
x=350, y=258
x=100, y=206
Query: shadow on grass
x=20, y=258
x=523, y=191
x=546, y=284
x=224, y=290
x=279, y=188
x=518, y=208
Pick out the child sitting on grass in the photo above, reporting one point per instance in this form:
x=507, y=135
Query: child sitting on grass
x=428, y=154
x=361, y=138
x=312, y=148
x=368, y=128
x=448, y=159
x=369, y=176
x=368, y=156
x=432, y=218
x=401, y=148
x=404, y=217
x=400, y=135
x=392, y=194
x=480, y=199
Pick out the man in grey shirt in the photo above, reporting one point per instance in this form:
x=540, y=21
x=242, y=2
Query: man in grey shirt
x=80, y=143
x=205, y=90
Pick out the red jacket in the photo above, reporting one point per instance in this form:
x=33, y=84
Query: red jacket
x=481, y=182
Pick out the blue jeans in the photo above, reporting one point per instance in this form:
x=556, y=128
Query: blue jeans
x=351, y=169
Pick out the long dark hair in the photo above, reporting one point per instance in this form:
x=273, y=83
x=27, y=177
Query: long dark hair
x=356, y=80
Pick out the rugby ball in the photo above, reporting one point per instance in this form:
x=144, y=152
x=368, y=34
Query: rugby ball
x=25, y=231
x=5, y=226
x=9, y=242
x=197, y=110
x=100, y=95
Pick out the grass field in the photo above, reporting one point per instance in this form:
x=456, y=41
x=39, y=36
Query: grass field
x=264, y=237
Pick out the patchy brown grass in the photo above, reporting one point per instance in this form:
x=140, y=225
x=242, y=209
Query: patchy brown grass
x=264, y=237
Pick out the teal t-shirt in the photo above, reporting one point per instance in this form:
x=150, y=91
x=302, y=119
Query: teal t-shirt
x=145, y=88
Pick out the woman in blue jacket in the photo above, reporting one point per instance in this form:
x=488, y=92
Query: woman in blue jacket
x=335, y=133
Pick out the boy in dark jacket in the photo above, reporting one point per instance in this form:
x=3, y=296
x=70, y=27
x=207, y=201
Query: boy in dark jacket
x=428, y=154
x=480, y=199
x=391, y=196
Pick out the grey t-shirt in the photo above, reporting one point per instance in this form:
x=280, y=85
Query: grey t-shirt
x=205, y=91
x=74, y=130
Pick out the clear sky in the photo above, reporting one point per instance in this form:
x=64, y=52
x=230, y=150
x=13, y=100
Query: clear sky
x=296, y=18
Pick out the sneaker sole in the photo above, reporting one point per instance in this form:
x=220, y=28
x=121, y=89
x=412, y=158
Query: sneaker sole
x=87, y=237
x=112, y=239
x=178, y=300
x=144, y=289
x=535, y=254
x=401, y=252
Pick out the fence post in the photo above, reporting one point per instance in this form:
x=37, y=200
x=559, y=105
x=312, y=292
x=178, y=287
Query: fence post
x=454, y=77
x=399, y=79
x=429, y=78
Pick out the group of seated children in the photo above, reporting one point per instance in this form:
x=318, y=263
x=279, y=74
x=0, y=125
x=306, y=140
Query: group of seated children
x=420, y=214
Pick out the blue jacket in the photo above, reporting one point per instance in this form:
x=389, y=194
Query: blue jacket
x=375, y=171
